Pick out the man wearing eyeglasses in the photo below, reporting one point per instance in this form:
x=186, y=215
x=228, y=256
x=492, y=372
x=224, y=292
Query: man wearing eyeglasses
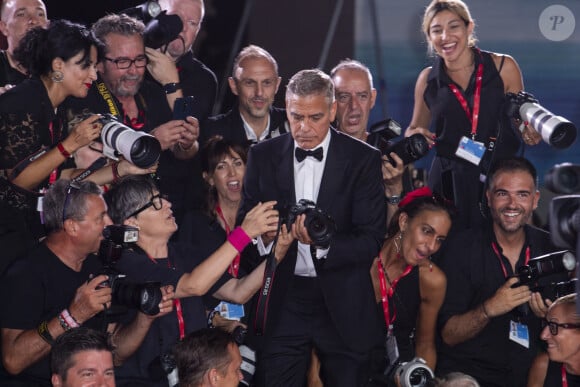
x=57, y=287
x=487, y=328
x=122, y=90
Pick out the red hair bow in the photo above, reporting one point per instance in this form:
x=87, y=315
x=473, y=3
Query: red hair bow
x=418, y=193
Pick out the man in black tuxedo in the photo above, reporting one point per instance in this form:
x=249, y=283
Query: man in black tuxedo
x=321, y=296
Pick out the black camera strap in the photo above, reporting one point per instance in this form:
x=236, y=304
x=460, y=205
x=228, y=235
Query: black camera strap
x=265, y=290
x=96, y=165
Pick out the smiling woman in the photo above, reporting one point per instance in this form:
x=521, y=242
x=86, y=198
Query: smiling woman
x=462, y=97
x=409, y=288
x=33, y=144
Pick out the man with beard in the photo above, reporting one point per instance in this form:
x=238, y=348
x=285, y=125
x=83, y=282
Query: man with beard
x=255, y=82
x=486, y=327
x=140, y=104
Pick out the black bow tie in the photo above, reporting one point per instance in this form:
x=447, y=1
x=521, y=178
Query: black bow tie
x=317, y=153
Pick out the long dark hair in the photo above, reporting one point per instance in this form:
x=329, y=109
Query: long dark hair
x=62, y=39
x=211, y=155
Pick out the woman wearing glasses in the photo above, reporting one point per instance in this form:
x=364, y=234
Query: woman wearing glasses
x=409, y=288
x=136, y=201
x=562, y=336
x=33, y=142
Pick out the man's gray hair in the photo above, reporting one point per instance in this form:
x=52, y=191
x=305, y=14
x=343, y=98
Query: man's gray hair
x=254, y=52
x=116, y=24
x=311, y=82
x=66, y=200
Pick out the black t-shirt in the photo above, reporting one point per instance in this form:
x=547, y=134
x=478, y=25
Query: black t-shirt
x=8, y=74
x=474, y=273
x=165, y=330
x=37, y=288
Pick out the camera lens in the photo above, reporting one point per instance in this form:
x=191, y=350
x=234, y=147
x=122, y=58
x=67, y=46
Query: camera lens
x=145, y=297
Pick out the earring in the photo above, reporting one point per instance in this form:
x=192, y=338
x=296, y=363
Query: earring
x=398, y=242
x=57, y=76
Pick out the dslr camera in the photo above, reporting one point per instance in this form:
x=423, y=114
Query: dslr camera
x=139, y=148
x=545, y=265
x=144, y=297
x=414, y=373
x=320, y=226
x=409, y=149
x=160, y=28
x=555, y=130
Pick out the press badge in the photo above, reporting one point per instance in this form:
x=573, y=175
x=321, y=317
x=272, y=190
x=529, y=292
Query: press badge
x=519, y=333
x=470, y=150
x=392, y=348
x=230, y=311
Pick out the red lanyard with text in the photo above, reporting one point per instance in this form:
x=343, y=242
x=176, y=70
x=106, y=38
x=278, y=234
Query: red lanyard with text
x=176, y=304
x=386, y=295
x=54, y=174
x=498, y=255
x=235, y=265
x=473, y=117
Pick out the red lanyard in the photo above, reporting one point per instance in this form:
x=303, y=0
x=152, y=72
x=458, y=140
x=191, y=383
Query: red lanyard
x=473, y=118
x=564, y=377
x=176, y=304
x=235, y=265
x=386, y=295
x=498, y=255
x=54, y=174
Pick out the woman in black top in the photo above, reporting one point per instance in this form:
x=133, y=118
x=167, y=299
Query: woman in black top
x=409, y=288
x=463, y=97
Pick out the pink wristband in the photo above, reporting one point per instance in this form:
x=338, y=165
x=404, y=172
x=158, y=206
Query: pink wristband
x=239, y=239
x=69, y=319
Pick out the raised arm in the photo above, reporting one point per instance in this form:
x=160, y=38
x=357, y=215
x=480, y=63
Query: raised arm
x=262, y=218
x=241, y=290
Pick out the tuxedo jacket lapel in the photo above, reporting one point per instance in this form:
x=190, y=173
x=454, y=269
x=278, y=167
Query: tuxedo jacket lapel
x=284, y=171
x=334, y=171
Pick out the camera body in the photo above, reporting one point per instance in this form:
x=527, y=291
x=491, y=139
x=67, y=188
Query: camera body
x=320, y=226
x=414, y=373
x=160, y=28
x=139, y=148
x=409, y=149
x=545, y=265
x=555, y=130
x=144, y=297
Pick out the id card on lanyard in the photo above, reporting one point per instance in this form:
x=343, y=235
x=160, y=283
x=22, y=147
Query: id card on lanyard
x=518, y=332
x=469, y=149
x=230, y=310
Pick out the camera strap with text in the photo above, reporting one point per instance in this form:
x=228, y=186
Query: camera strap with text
x=265, y=290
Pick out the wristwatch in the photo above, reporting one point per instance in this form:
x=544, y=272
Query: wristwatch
x=395, y=199
x=171, y=88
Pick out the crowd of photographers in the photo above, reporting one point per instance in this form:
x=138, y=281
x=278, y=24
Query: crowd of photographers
x=317, y=250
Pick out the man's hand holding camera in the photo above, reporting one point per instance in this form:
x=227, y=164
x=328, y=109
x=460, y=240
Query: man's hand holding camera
x=507, y=298
x=90, y=299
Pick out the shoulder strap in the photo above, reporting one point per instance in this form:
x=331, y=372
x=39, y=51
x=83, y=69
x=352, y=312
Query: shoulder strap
x=501, y=63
